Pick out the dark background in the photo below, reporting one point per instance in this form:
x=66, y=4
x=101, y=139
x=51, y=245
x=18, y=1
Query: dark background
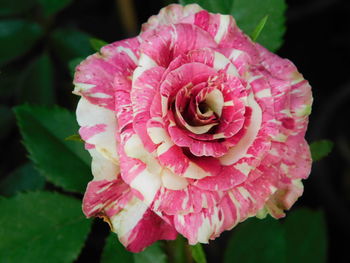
x=317, y=40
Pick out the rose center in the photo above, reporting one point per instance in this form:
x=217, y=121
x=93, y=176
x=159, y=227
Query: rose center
x=203, y=107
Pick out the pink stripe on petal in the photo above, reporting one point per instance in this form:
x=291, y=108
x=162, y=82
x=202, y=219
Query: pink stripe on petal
x=171, y=14
x=89, y=131
x=102, y=197
x=278, y=67
x=148, y=230
x=144, y=91
x=198, y=148
x=223, y=177
x=98, y=126
x=193, y=73
x=237, y=204
x=188, y=200
x=94, y=76
x=176, y=40
x=174, y=159
x=137, y=226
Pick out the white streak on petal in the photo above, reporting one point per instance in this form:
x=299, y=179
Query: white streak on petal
x=127, y=219
x=102, y=168
x=240, y=150
x=80, y=87
x=164, y=101
x=88, y=115
x=228, y=103
x=210, y=225
x=148, y=181
x=265, y=93
x=244, y=168
x=224, y=24
x=235, y=54
x=237, y=205
x=251, y=78
x=157, y=134
x=145, y=62
x=218, y=135
x=164, y=147
x=134, y=148
x=245, y=194
x=173, y=181
x=129, y=52
x=215, y=101
x=147, y=184
x=280, y=137
x=195, y=172
x=204, y=231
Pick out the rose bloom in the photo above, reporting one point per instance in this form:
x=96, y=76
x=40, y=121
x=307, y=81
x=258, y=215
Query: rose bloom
x=192, y=128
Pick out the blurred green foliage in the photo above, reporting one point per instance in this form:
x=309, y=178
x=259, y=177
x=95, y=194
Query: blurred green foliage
x=320, y=149
x=24, y=178
x=198, y=253
x=17, y=37
x=64, y=163
x=41, y=227
x=301, y=237
x=115, y=252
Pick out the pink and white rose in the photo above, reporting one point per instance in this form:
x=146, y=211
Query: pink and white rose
x=192, y=128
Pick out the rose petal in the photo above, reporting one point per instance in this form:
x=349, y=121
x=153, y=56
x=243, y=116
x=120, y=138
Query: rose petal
x=137, y=226
x=98, y=126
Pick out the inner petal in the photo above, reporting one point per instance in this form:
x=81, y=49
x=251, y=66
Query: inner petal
x=183, y=99
x=187, y=74
x=215, y=101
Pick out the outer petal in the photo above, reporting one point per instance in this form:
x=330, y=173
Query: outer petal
x=137, y=226
x=238, y=204
x=98, y=127
x=171, y=14
x=184, y=201
x=94, y=76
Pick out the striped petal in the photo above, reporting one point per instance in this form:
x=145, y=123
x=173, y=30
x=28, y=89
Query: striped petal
x=94, y=76
x=98, y=127
x=136, y=225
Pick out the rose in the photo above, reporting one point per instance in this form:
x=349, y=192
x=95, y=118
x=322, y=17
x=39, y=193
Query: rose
x=192, y=128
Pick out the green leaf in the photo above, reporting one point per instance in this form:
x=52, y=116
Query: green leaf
x=214, y=6
x=177, y=250
x=153, y=253
x=16, y=38
x=69, y=43
x=259, y=28
x=73, y=64
x=51, y=7
x=36, y=84
x=24, y=178
x=198, y=253
x=248, y=13
x=114, y=251
x=320, y=149
x=97, y=44
x=41, y=227
x=257, y=241
x=74, y=137
x=64, y=163
x=6, y=121
x=15, y=7
x=306, y=236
